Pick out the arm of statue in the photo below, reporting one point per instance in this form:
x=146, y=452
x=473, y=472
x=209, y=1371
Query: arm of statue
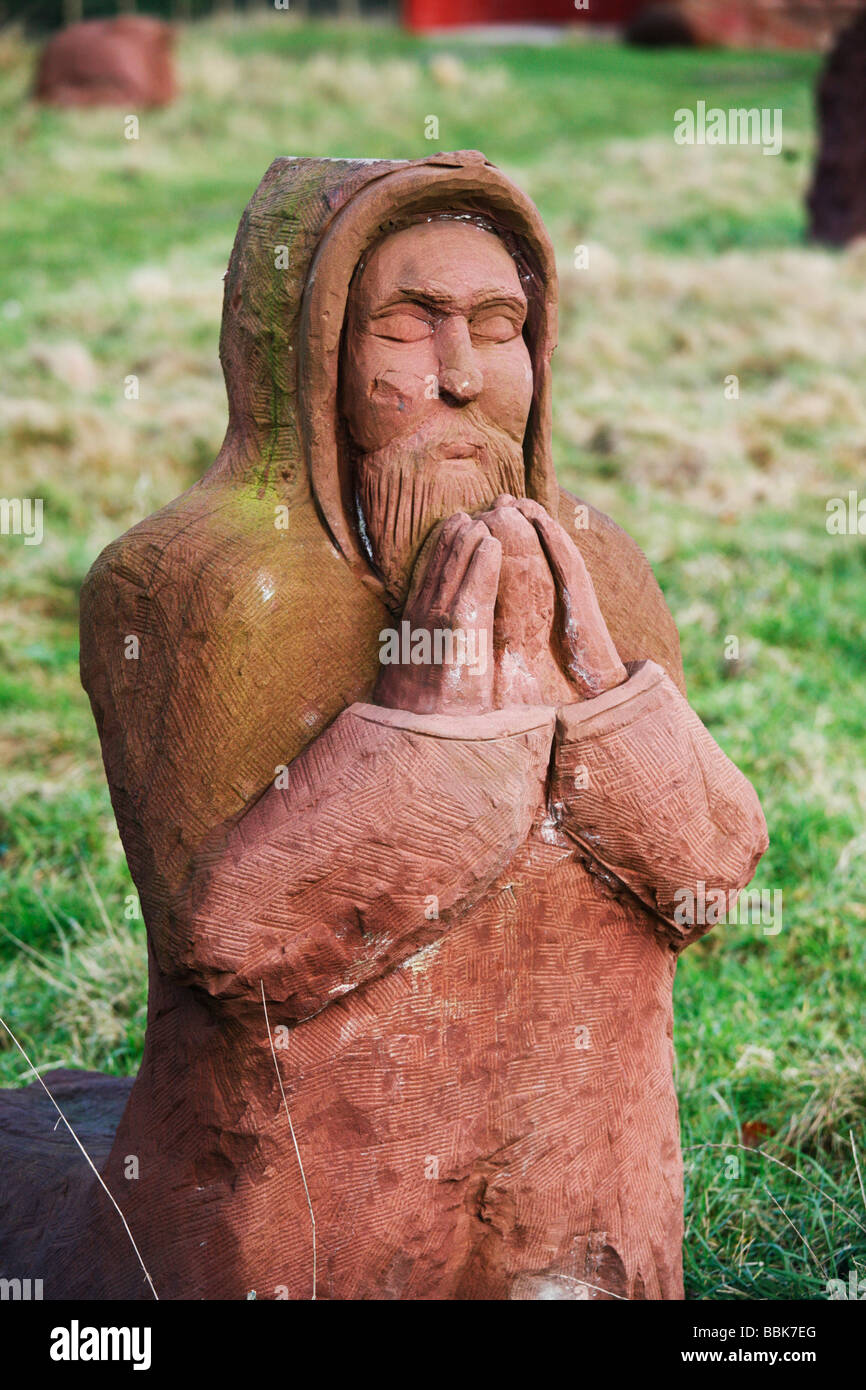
x=389, y=825
x=638, y=782
x=642, y=786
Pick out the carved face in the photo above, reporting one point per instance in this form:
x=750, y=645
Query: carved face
x=436, y=384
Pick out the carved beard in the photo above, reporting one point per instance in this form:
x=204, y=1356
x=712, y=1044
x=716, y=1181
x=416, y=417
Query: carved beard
x=403, y=489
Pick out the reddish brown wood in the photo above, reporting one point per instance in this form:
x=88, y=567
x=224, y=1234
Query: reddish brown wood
x=467, y=947
x=108, y=62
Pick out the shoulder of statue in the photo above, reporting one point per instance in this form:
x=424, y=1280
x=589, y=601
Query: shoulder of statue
x=123, y=578
x=633, y=605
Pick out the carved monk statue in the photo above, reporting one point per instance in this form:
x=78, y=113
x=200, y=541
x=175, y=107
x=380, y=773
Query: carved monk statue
x=409, y=789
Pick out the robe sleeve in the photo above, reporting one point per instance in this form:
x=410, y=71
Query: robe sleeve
x=644, y=789
x=385, y=828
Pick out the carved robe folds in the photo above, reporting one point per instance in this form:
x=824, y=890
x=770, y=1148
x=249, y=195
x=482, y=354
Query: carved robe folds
x=515, y=1138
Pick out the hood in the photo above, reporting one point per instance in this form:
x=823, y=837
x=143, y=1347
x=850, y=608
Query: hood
x=308, y=225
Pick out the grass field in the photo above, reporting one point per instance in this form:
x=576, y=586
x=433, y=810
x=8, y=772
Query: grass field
x=112, y=258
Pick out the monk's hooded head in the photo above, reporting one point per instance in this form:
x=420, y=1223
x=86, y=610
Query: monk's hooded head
x=435, y=384
x=386, y=341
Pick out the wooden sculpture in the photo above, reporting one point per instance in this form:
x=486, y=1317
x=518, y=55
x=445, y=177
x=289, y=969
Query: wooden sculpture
x=411, y=920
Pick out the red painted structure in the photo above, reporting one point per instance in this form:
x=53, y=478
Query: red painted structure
x=422, y=15
x=805, y=24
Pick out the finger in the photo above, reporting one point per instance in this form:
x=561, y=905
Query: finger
x=530, y=508
x=474, y=610
x=452, y=554
x=427, y=578
x=463, y=547
x=476, y=601
x=517, y=535
x=586, y=647
x=563, y=555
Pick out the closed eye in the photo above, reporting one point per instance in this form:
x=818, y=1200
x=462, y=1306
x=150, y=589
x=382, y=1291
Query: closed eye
x=402, y=327
x=494, y=328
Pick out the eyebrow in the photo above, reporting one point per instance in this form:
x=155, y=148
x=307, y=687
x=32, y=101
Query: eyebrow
x=487, y=297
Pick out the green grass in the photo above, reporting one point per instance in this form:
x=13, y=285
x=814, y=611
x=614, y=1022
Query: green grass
x=111, y=257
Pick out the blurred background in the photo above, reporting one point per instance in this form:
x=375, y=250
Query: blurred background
x=709, y=395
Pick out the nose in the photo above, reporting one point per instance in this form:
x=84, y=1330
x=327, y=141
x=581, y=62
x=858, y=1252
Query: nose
x=460, y=376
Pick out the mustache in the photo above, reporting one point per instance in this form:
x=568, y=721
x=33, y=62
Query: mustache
x=441, y=438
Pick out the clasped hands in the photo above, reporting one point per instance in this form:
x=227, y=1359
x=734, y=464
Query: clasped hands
x=511, y=588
